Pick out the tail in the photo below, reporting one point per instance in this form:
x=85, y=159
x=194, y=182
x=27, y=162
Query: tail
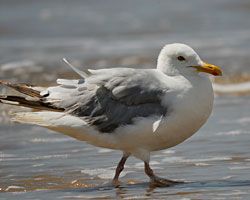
x=46, y=114
x=56, y=121
x=34, y=100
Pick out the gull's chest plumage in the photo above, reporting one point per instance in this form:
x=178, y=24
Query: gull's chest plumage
x=190, y=109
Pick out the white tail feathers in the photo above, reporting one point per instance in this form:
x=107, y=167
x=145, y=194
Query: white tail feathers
x=29, y=118
x=56, y=121
x=48, y=118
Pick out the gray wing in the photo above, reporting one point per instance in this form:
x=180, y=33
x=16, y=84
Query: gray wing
x=112, y=98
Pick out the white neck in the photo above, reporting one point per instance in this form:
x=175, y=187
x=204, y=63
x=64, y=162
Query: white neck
x=170, y=71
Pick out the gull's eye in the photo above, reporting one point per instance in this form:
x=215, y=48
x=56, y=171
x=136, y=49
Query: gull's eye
x=181, y=58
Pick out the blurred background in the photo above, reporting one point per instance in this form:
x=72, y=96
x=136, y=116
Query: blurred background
x=36, y=35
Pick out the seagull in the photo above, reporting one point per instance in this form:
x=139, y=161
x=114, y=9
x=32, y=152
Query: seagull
x=136, y=111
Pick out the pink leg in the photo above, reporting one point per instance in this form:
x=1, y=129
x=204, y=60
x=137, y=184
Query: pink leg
x=119, y=169
x=155, y=180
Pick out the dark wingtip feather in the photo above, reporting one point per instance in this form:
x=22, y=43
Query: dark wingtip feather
x=22, y=101
x=22, y=88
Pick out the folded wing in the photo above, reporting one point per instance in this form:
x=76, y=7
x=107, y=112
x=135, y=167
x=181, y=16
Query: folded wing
x=105, y=100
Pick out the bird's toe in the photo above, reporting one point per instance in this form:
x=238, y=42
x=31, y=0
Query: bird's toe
x=162, y=182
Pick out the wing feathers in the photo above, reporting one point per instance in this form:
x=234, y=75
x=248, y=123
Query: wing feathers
x=22, y=101
x=22, y=88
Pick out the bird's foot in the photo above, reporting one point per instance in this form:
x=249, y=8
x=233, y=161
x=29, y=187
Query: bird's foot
x=162, y=182
x=116, y=183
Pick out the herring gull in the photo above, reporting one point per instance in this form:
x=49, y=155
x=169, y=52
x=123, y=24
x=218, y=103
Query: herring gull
x=136, y=111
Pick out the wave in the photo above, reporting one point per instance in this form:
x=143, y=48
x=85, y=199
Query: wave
x=243, y=121
x=50, y=140
x=236, y=88
x=195, y=160
x=34, y=158
x=232, y=133
x=102, y=173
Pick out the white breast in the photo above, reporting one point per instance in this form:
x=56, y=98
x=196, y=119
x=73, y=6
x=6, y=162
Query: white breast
x=190, y=109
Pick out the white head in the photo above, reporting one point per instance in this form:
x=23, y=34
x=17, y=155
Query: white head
x=175, y=59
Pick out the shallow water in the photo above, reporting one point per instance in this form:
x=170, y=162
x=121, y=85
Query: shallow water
x=214, y=163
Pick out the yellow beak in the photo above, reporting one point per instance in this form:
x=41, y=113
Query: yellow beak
x=209, y=68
